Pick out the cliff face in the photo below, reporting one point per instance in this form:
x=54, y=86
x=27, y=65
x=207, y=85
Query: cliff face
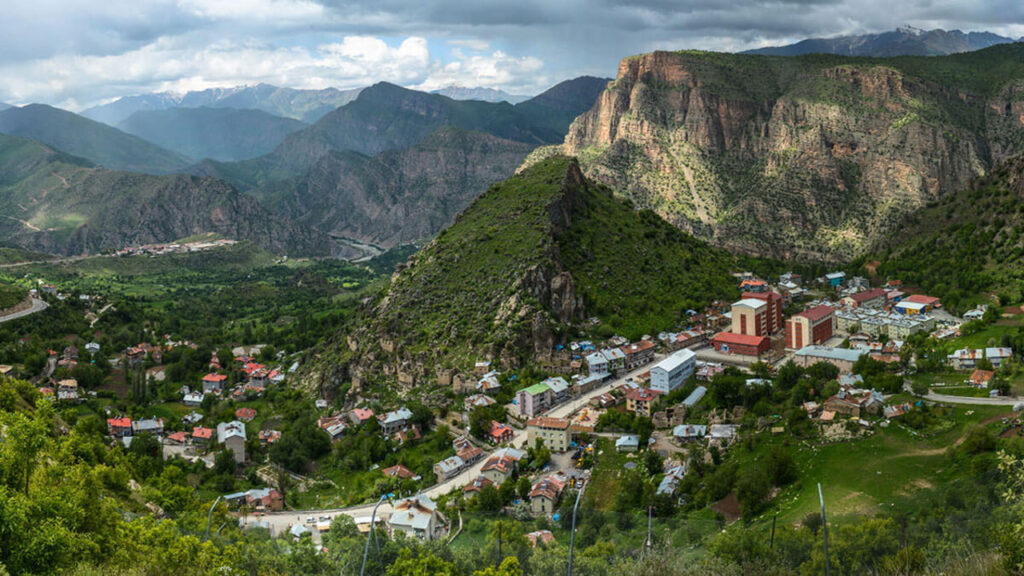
x=796, y=157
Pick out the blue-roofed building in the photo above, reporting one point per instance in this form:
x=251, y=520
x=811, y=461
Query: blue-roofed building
x=695, y=396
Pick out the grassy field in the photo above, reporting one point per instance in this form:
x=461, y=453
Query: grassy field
x=863, y=476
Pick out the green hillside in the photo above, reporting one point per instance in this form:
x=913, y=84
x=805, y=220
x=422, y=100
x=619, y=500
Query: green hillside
x=528, y=263
x=220, y=133
x=966, y=244
x=96, y=142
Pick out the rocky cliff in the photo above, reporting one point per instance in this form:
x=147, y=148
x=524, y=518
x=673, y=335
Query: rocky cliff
x=814, y=156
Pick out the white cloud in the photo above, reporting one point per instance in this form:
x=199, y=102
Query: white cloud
x=272, y=10
x=176, y=66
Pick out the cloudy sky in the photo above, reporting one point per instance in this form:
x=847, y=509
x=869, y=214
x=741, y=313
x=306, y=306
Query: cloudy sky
x=76, y=53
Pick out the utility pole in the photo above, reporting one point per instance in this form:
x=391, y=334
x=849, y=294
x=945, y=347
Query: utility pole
x=499, y=545
x=209, y=517
x=772, y=544
x=649, y=544
x=373, y=516
x=572, y=534
x=824, y=527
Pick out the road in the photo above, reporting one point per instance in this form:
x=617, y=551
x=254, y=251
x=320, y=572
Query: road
x=949, y=399
x=280, y=521
x=37, y=306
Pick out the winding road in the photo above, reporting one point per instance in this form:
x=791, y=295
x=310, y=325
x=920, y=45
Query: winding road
x=37, y=306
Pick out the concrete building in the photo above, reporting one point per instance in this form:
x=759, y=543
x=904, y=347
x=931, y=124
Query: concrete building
x=545, y=493
x=886, y=324
x=812, y=326
x=232, y=436
x=638, y=353
x=552, y=432
x=534, y=400
x=773, y=310
x=673, y=371
x=641, y=400
x=750, y=317
x=839, y=357
x=743, y=344
x=418, y=516
x=868, y=299
x=597, y=364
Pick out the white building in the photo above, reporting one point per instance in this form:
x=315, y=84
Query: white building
x=673, y=371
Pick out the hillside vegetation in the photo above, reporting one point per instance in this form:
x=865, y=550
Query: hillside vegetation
x=527, y=264
x=965, y=244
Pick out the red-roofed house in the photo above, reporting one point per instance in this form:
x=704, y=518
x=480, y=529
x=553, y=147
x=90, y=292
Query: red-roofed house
x=213, y=383
x=245, y=414
x=812, y=326
x=477, y=485
x=875, y=298
x=638, y=353
x=930, y=301
x=269, y=436
x=981, y=378
x=119, y=427
x=499, y=433
x=399, y=471
x=745, y=344
x=202, y=435
x=754, y=285
x=544, y=494
x=178, y=437
x=640, y=400
x=360, y=415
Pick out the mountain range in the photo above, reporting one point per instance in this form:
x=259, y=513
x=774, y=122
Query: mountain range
x=904, y=41
x=225, y=134
x=813, y=157
x=94, y=141
x=485, y=94
x=305, y=105
x=56, y=203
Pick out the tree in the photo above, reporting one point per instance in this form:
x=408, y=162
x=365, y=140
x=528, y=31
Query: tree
x=524, y=488
x=752, y=490
x=653, y=462
x=423, y=564
x=509, y=567
x=780, y=466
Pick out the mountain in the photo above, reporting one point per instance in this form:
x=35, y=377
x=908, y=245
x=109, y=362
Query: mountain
x=813, y=157
x=305, y=105
x=398, y=196
x=966, y=244
x=96, y=142
x=456, y=92
x=220, y=133
x=530, y=259
x=4, y=106
x=56, y=203
x=904, y=41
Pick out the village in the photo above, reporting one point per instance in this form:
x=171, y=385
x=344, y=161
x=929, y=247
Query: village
x=524, y=445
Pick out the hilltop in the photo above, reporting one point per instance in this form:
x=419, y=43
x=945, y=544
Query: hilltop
x=96, y=142
x=812, y=157
x=57, y=203
x=530, y=261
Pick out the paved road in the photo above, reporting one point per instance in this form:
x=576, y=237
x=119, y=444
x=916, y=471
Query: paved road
x=37, y=306
x=280, y=521
x=949, y=399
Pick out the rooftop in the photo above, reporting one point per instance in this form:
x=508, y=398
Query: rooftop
x=555, y=423
x=676, y=360
x=817, y=351
x=743, y=339
x=816, y=313
x=750, y=303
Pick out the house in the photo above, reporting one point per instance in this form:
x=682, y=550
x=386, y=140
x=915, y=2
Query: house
x=854, y=402
x=335, y=426
x=976, y=314
x=245, y=414
x=835, y=279
x=640, y=400
x=689, y=432
x=545, y=493
x=502, y=464
x=479, y=401
x=213, y=383
x=474, y=487
x=616, y=359
x=908, y=308
x=673, y=371
x=469, y=454
x=394, y=421
x=559, y=389
x=232, y=436
x=67, y=390
x=263, y=499
x=399, y=471
x=534, y=400
x=998, y=355
x=812, y=326
x=754, y=285
x=202, y=435
x=193, y=398
x=627, y=444
x=896, y=411
x=449, y=468
x=192, y=418
x=552, y=432
x=178, y=438
x=742, y=344
x=134, y=356
x=119, y=427
x=544, y=537
x=792, y=278
x=360, y=416
x=965, y=358
x=489, y=382
x=669, y=483
x=597, y=364
x=981, y=378
x=297, y=531
x=482, y=367
x=812, y=408
x=638, y=353
x=418, y=516
x=707, y=370
x=152, y=426
x=499, y=433
x=268, y=436
x=868, y=299
x=841, y=358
